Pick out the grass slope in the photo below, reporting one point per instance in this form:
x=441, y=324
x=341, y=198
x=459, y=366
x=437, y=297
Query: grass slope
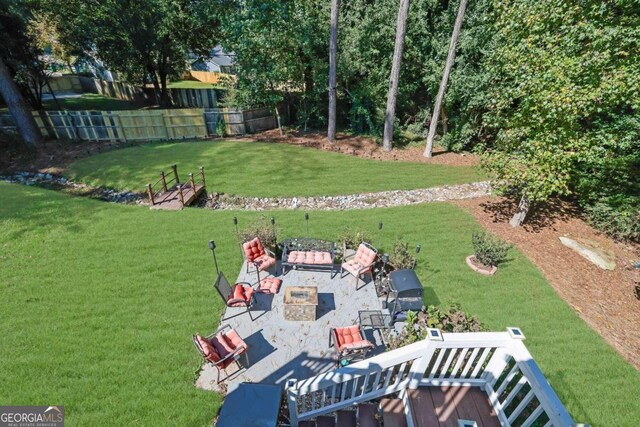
x=98, y=303
x=263, y=169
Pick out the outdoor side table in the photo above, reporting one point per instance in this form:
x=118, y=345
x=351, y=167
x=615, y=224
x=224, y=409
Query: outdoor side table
x=374, y=319
x=251, y=405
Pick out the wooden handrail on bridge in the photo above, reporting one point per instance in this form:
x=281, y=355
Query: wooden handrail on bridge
x=173, y=184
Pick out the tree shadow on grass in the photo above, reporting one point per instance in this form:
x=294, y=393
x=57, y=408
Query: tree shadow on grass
x=541, y=216
x=33, y=208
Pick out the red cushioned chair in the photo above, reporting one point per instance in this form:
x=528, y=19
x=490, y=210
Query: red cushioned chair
x=350, y=343
x=240, y=295
x=222, y=348
x=258, y=256
x=361, y=262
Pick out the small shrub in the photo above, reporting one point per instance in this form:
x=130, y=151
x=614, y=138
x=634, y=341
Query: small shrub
x=400, y=257
x=489, y=250
x=221, y=127
x=447, y=319
x=262, y=228
x=619, y=217
x=352, y=237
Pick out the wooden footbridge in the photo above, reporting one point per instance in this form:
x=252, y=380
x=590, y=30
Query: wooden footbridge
x=170, y=193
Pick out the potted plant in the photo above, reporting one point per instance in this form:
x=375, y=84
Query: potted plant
x=488, y=252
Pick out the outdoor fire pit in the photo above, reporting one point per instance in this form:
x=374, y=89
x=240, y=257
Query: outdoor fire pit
x=300, y=303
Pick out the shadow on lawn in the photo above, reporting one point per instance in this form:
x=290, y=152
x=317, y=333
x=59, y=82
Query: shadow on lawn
x=540, y=216
x=32, y=208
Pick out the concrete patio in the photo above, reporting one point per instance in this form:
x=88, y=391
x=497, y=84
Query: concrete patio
x=280, y=349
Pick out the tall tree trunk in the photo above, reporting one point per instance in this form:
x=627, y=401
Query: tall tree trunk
x=165, y=99
x=521, y=213
x=333, y=51
x=19, y=108
x=451, y=56
x=156, y=87
x=444, y=120
x=401, y=31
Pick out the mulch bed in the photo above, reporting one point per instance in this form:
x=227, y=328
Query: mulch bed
x=604, y=299
x=366, y=147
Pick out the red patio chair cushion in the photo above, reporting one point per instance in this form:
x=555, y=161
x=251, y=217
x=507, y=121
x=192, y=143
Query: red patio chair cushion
x=270, y=285
x=208, y=350
x=349, y=337
x=241, y=296
x=226, y=343
x=364, y=257
x=310, y=257
x=253, y=249
x=264, y=262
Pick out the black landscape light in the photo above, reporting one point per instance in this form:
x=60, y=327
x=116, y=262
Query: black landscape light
x=306, y=217
x=273, y=226
x=235, y=224
x=415, y=258
x=380, y=224
x=212, y=246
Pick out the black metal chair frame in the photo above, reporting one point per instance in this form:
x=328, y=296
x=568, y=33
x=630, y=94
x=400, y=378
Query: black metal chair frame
x=306, y=244
x=235, y=355
x=350, y=354
x=369, y=267
x=222, y=282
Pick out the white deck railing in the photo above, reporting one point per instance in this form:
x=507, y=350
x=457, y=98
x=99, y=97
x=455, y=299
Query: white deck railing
x=498, y=362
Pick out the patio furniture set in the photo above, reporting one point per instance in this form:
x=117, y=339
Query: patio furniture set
x=225, y=346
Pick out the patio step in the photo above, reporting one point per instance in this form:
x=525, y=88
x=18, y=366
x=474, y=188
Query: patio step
x=367, y=415
x=393, y=413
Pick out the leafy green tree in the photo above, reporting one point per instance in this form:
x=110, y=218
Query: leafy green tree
x=281, y=52
x=146, y=41
x=21, y=52
x=566, y=96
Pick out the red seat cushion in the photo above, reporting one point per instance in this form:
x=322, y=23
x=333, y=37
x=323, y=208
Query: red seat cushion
x=309, y=257
x=364, y=255
x=347, y=335
x=270, y=285
x=253, y=249
x=363, y=260
x=241, y=296
x=264, y=262
x=208, y=350
x=234, y=341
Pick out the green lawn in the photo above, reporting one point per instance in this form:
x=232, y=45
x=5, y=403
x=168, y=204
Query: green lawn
x=88, y=101
x=263, y=169
x=98, y=303
x=91, y=101
x=192, y=84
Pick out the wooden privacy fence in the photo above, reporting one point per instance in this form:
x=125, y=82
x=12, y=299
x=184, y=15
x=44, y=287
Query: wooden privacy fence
x=138, y=125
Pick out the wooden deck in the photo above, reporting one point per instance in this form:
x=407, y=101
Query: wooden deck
x=444, y=406
x=171, y=199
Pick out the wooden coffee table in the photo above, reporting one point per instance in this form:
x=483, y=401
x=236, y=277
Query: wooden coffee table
x=300, y=303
